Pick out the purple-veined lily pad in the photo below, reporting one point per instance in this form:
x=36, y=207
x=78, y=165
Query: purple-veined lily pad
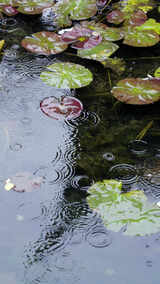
x=9, y=10
x=24, y=182
x=67, y=10
x=63, y=108
x=66, y=75
x=137, y=38
x=130, y=212
x=81, y=37
x=44, y=43
x=137, y=91
x=115, y=17
x=137, y=19
x=101, y=3
x=107, y=33
x=100, y=52
x=33, y=6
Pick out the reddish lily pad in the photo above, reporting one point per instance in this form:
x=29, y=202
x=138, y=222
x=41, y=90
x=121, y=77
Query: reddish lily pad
x=33, y=6
x=138, y=38
x=81, y=37
x=9, y=10
x=137, y=91
x=116, y=17
x=101, y=3
x=24, y=182
x=137, y=19
x=66, y=76
x=44, y=43
x=63, y=108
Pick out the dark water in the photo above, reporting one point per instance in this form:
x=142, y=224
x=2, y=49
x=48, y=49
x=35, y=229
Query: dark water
x=50, y=235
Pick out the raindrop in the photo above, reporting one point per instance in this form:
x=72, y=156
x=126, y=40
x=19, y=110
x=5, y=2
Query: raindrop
x=82, y=182
x=109, y=156
x=98, y=237
x=138, y=147
x=123, y=172
x=16, y=147
x=89, y=119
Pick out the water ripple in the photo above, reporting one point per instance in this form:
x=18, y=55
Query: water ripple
x=123, y=172
x=98, y=237
x=138, y=147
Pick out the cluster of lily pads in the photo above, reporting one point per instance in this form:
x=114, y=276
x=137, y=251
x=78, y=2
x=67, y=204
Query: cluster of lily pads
x=126, y=22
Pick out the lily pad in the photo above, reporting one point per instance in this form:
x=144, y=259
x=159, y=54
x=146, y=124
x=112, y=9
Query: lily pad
x=81, y=37
x=115, y=17
x=150, y=24
x=137, y=91
x=9, y=10
x=44, y=43
x=137, y=19
x=68, y=10
x=157, y=72
x=130, y=212
x=100, y=52
x=66, y=75
x=107, y=33
x=138, y=38
x=63, y=108
x=33, y=6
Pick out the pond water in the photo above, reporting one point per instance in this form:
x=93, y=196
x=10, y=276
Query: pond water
x=49, y=234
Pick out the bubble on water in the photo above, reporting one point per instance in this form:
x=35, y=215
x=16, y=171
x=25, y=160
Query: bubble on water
x=16, y=147
x=108, y=156
x=98, y=237
x=81, y=181
x=123, y=172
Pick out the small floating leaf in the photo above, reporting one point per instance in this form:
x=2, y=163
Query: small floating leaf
x=23, y=182
x=150, y=24
x=33, y=6
x=44, y=43
x=63, y=108
x=66, y=76
x=2, y=42
x=137, y=91
x=157, y=72
x=130, y=211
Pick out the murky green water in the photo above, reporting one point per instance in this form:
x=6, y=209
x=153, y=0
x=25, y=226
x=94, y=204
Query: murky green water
x=50, y=235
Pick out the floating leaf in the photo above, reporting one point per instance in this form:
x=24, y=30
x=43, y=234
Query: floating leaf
x=138, y=38
x=33, y=6
x=137, y=19
x=137, y=91
x=44, y=43
x=66, y=76
x=115, y=17
x=9, y=10
x=23, y=182
x=81, y=37
x=63, y=108
x=100, y=53
x=150, y=24
x=107, y=33
x=157, y=72
x=131, y=211
x=67, y=10
x=2, y=42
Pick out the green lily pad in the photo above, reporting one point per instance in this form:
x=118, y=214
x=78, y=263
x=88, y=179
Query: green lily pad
x=131, y=211
x=33, y=6
x=101, y=52
x=150, y=24
x=44, y=43
x=138, y=38
x=137, y=91
x=107, y=33
x=157, y=72
x=66, y=76
x=67, y=10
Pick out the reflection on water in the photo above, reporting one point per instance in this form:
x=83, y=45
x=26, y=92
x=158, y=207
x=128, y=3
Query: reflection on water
x=50, y=235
